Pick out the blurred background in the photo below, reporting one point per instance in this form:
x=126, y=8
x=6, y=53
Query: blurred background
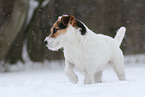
x=26, y=23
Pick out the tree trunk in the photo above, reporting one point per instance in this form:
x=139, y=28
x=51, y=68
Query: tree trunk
x=13, y=26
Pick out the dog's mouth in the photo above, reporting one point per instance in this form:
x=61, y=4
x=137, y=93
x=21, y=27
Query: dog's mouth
x=53, y=46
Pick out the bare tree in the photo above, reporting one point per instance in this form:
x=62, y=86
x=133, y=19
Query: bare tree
x=101, y=16
x=13, y=26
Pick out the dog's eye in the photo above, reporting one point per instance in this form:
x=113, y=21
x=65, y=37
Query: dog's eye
x=54, y=30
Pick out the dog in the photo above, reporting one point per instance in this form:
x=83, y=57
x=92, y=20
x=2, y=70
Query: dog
x=88, y=52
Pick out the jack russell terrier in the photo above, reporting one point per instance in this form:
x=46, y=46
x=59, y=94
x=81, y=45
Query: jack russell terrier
x=86, y=51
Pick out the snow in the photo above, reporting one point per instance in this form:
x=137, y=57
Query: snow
x=29, y=65
x=132, y=59
x=47, y=79
x=33, y=4
x=52, y=82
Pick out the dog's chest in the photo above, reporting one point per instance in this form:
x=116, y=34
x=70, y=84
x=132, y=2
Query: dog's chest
x=76, y=56
x=73, y=54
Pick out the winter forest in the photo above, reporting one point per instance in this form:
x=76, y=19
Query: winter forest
x=29, y=69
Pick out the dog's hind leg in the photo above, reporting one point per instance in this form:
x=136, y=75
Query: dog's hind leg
x=119, y=68
x=98, y=77
x=69, y=72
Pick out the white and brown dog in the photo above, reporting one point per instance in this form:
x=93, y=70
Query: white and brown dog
x=85, y=50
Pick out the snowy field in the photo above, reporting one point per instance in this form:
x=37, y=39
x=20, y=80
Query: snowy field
x=52, y=82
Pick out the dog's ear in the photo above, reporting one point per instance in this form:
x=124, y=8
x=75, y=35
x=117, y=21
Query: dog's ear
x=73, y=21
x=68, y=19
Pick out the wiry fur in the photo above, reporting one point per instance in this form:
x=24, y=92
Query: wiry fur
x=89, y=53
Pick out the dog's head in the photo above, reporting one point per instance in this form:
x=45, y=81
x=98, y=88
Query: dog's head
x=62, y=31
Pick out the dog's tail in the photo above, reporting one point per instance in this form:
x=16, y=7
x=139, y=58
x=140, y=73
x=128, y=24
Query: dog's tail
x=120, y=35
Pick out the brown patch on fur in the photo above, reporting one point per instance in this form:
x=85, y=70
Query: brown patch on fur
x=65, y=20
x=73, y=21
x=69, y=19
x=59, y=32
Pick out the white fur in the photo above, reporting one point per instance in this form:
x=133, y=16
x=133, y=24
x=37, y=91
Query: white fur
x=89, y=53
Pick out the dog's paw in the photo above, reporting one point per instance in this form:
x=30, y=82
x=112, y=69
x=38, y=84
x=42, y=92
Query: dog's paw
x=87, y=82
x=74, y=79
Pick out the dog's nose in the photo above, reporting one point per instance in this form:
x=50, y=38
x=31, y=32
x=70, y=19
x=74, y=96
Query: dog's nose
x=45, y=42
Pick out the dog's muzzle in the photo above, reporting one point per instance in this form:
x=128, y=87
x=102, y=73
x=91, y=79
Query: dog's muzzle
x=45, y=42
x=52, y=44
x=49, y=42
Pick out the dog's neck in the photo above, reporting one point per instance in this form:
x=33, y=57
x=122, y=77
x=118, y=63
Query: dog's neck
x=75, y=37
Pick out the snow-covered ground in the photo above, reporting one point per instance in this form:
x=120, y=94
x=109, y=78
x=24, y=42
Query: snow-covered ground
x=52, y=82
x=43, y=80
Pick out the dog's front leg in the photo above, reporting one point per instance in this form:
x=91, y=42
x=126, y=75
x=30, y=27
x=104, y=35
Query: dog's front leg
x=89, y=78
x=69, y=72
